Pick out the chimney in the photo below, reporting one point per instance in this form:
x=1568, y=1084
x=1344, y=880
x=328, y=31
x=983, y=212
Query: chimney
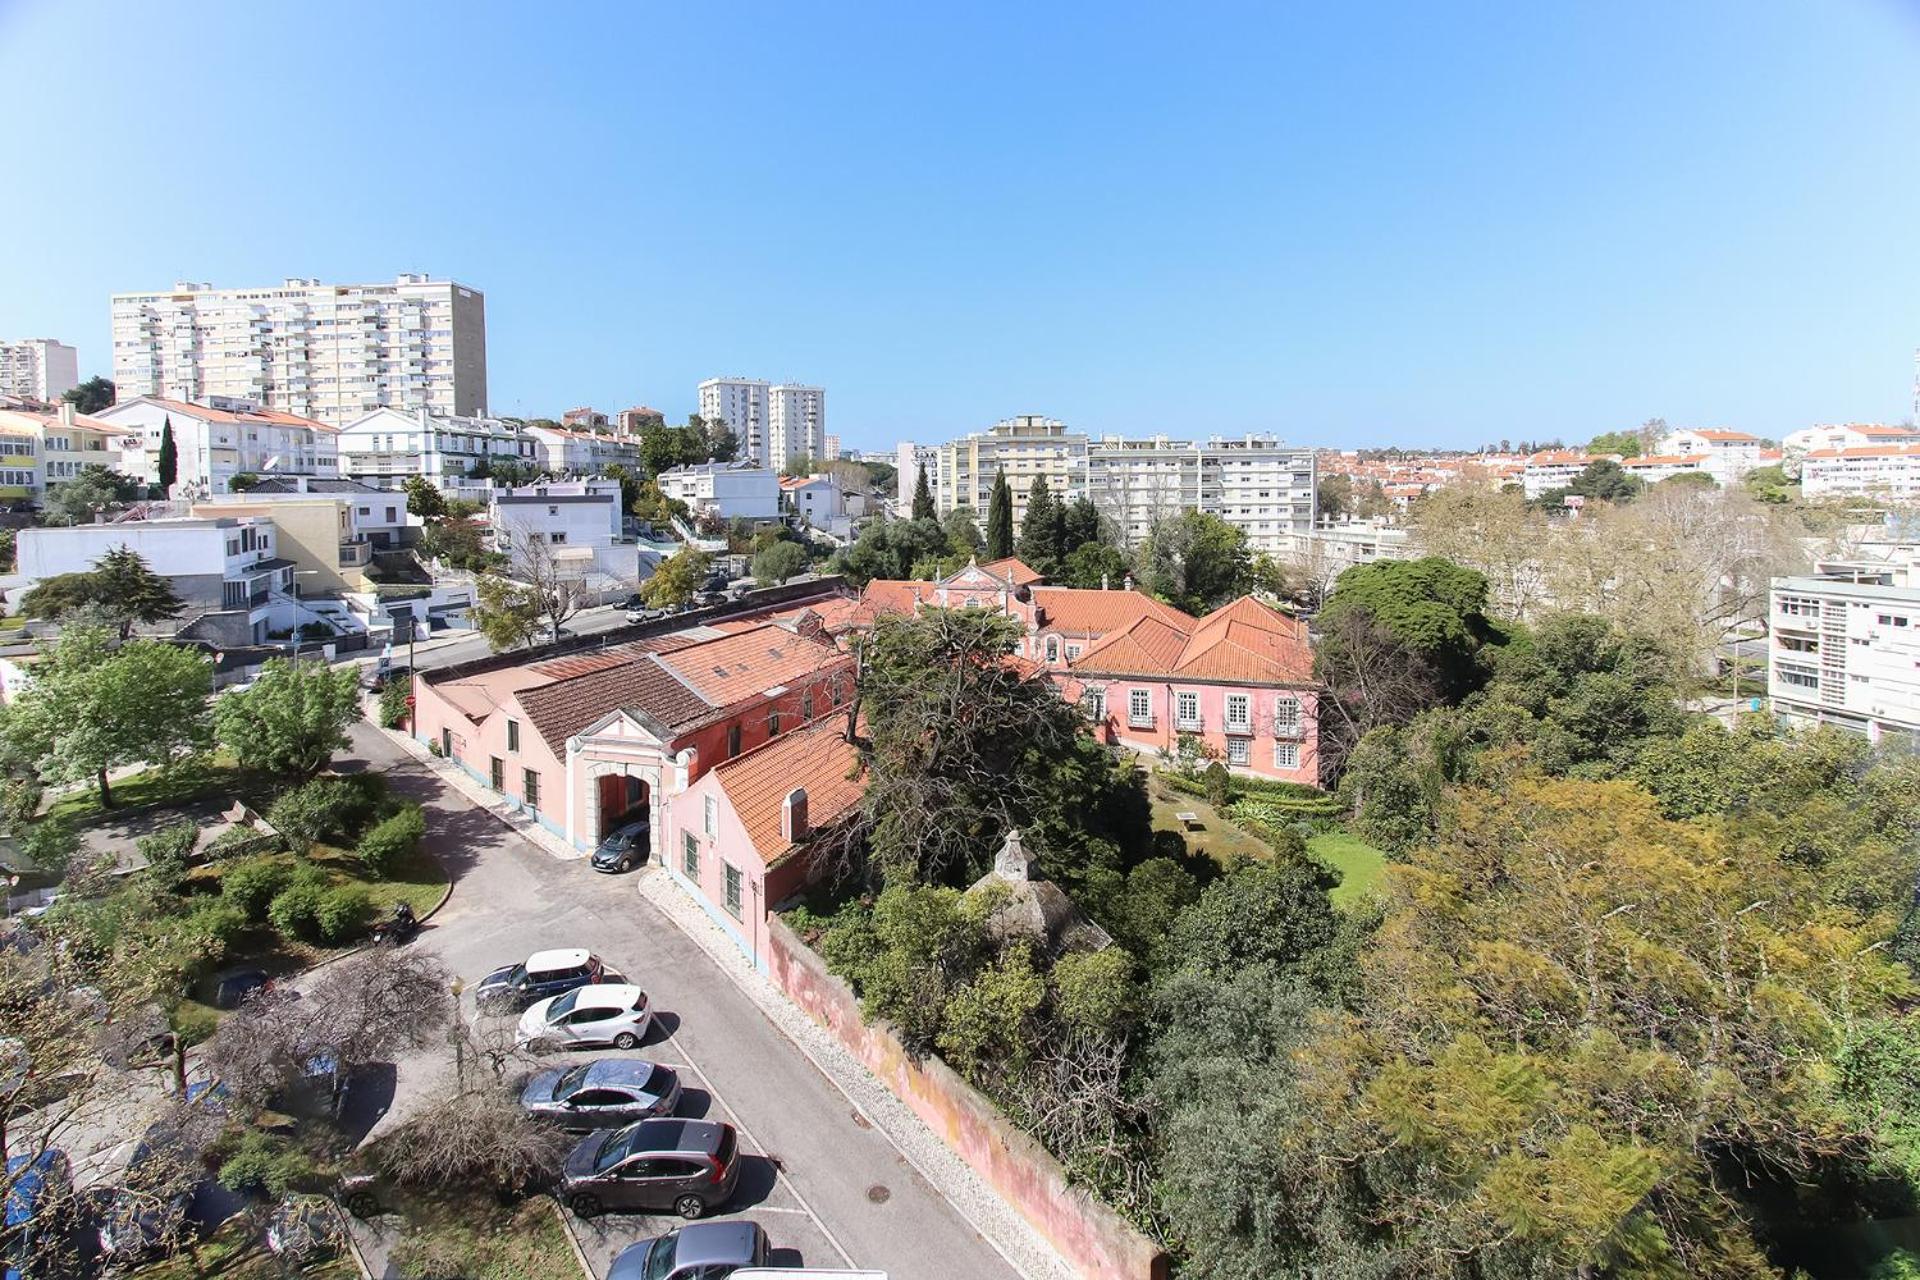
x=793, y=816
x=1126, y=583
x=1103, y=582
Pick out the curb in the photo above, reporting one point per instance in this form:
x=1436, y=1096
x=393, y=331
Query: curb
x=573, y=1241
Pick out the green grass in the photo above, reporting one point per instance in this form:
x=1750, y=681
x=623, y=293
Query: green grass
x=1217, y=838
x=1360, y=864
x=191, y=779
x=420, y=882
x=521, y=1242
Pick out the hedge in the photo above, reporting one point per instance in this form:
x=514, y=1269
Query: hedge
x=387, y=844
x=1249, y=788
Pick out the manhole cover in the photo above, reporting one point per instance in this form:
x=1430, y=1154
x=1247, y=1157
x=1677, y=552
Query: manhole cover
x=879, y=1194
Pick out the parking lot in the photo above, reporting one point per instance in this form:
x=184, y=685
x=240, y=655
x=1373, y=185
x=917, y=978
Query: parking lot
x=826, y=1186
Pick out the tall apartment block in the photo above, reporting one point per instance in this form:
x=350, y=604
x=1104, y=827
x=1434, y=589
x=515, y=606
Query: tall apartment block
x=38, y=369
x=1256, y=483
x=742, y=404
x=1844, y=644
x=1024, y=447
x=775, y=422
x=331, y=352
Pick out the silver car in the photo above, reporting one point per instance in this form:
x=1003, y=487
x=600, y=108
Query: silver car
x=607, y=1093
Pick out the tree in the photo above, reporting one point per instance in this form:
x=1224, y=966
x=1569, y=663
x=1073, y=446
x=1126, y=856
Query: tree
x=1000, y=519
x=1334, y=496
x=1625, y=444
x=554, y=590
x=292, y=719
x=963, y=532
x=894, y=549
x=505, y=612
x=1195, y=561
x=242, y=481
x=1080, y=525
x=1605, y=480
x=1371, y=678
x=460, y=541
x=1093, y=566
x=424, y=498
x=1436, y=608
x=91, y=396
x=169, y=465
x=679, y=577
x=922, y=497
x=90, y=706
x=478, y=1137
x=1041, y=528
x=779, y=562
x=1496, y=531
x=95, y=489
x=119, y=588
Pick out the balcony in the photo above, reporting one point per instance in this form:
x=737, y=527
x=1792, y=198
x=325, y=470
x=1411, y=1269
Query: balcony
x=1289, y=730
x=356, y=553
x=1139, y=721
x=1239, y=728
x=1189, y=724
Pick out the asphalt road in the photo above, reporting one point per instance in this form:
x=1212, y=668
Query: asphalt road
x=434, y=655
x=828, y=1189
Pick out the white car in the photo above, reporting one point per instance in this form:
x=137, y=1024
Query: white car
x=612, y=1013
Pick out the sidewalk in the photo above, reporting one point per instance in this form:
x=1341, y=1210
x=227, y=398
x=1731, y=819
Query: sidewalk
x=475, y=792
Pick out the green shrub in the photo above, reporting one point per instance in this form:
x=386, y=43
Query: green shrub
x=168, y=853
x=217, y=924
x=1214, y=781
x=295, y=911
x=390, y=843
x=261, y=1162
x=194, y=1023
x=253, y=884
x=1253, y=788
x=238, y=842
x=314, y=811
x=393, y=701
x=343, y=914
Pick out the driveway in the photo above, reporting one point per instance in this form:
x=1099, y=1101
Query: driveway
x=828, y=1188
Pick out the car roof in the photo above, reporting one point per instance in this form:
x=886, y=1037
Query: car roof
x=707, y=1243
x=632, y=1071
x=668, y=1134
x=606, y=995
x=563, y=958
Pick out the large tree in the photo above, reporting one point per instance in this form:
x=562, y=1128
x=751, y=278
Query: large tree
x=1000, y=519
x=120, y=587
x=292, y=719
x=922, y=497
x=1496, y=531
x=91, y=396
x=678, y=578
x=94, y=490
x=1041, y=528
x=1195, y=561
x=778, y=562
x=169, y=465
x=424, y=498
x=1436, y=608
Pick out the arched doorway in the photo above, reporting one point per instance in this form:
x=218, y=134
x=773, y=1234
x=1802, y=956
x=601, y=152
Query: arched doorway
x=623, y=798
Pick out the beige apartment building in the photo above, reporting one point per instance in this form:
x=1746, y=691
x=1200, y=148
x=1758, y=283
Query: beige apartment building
x=1024, y=447
x=38, y=369
x=330, y=352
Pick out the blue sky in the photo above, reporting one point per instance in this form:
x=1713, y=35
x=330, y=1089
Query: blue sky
x=1351, y=224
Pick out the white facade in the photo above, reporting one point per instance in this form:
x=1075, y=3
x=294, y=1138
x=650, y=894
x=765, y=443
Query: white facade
x=216, y=441
x=796, y=424
x=1844, y=648
x=1256, y=483
x=725, y=489
x=909, y=460
x=1872, y=471
x=1553, y=469
x=1025, y=447
x=565, y=451
x=38, y=369
x=386, y=446
x=742, y=404
x=1845, y=435
x=1728, y=455
x=325, y=351
x=818, y=500
x=1654, y=468
x=830, y=450
x=578, y=524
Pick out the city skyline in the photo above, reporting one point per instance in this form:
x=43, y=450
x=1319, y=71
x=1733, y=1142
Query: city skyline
x=1547, y=224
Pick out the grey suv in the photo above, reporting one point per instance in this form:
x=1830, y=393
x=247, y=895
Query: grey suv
x=688, y=1166
x=697, y=1251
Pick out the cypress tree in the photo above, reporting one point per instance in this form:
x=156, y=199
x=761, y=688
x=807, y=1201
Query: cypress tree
x=1000, y=519
x=922, y=497
x=169, y=455
x=1040, y=527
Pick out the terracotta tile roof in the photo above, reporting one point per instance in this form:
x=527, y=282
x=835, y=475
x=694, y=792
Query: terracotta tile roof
x=1723, y=436
x=817, y=759
x=579, y=664
x=895, y=595
x=1095, y=613
x=1014, y=570
x=1883, y=432
x=34, y=420
x=1145, y=646
x=1558, y=457
x=1245, y=641
x=1869, y=451
x=562, y=708
x=1665, y=460
x=747, y=663
x=207, y=413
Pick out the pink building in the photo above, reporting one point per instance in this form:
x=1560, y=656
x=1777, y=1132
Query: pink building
x=1240, y=680
x=588, y=741
x=738, y=838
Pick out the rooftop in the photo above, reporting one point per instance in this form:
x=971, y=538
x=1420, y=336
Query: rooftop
x=1245, y=641
x=817, y=759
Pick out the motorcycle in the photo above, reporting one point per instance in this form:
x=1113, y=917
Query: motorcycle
x=398, y=930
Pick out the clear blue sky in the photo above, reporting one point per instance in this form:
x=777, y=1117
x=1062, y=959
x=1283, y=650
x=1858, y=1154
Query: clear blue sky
x=1352, y=224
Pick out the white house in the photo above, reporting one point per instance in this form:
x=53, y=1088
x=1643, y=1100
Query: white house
x=1728, y=455
x=578, y=524
x=817, y=500
x=216, y=441
x=725, y=489
x=1844, y=648
x=1653, y=468
x=388, y=445
x=1555, y=469
x=1874, y=470
x=1845, y=435
x=566, y=451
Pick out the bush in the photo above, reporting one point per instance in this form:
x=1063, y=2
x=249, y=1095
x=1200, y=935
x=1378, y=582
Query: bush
x=217, y=924
x=263, y=1163
x=194, y=1023
x=167, y=852
x=334, y=810
x=343, y=914
x=393, y=701
x=392, y=842
x=1095, y=991
x=1214, y=781
x=295, y=910
x=1261, y=788
x=253, y=884
x=238, y=842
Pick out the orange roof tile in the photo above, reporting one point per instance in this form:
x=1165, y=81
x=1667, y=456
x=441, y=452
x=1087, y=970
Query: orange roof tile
x=1014, y=570
x=1665, y=460
x=1726, y=437
x=817, y=759
x=895, y=595
x=1243, y=641
x=748, y=663
x=207, y=413
x=1094, y=613
x=1869, y=451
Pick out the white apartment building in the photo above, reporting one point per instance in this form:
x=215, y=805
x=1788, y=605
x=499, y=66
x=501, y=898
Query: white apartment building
x=725, y=489
x=1025, y=447
x=909, y=460
x=1256, y=483
x=742, y=404
x=40, y=449
x=1554, y=469
x=1845, y=647
x=326, y=351
x=830, y=450
x=796, y=424
x=217, y=440
x=569, y=451
x=1728, y=455
x=1872, y=471
x=1653, y=468
x=388, y=445
x=1845, y=435
x=38, y=369
x=579, y=525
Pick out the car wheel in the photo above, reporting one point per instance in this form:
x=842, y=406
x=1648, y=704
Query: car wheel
x=363, y=1204
x=625, y=1040
x=585, y=1206
x=690, y=1207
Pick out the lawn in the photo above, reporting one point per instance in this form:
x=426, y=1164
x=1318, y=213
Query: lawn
x=449, y=1233
x=1214, y=836
x=188, y=780
x=1360, y=864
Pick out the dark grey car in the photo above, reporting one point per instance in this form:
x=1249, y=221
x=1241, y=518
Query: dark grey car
x=688, y=1166
x=698, y=1251
x=606, y=1093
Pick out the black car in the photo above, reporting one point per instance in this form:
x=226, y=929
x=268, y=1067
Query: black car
x=698, y=1251
x=688, y=1166
x=625, y=849
x=149, y=1210
x=545, y=973
x=604, y=1094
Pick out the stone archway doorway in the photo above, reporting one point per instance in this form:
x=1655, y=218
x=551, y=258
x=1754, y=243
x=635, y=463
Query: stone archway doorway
x=622, y=798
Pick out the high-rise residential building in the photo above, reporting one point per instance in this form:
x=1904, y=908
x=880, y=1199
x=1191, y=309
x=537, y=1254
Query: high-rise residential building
x=330, y=352
x=909, y=460
x=1026, y=448
x=1844, y=644
x=1258, y=484
x=742, y=404
x=38, y=369
x=796, y=423
x=830, y=450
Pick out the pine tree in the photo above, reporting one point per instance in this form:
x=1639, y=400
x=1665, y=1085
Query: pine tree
x=169, y=456
x=1041, y=528
x=1000, y=519
x=126, y=586
x=922, y=497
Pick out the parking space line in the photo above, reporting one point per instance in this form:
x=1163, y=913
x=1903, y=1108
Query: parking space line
x=780, y=1174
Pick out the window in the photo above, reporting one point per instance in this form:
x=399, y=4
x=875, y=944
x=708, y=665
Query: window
x=690, y=855
x=732, y=896
x=1140, y=708
x=1286, y=714
x=773, y=723
x=1286, y=755
x=1799, y=677
x=1186, y=710
x=557, y=538
x=1094, y=704
x=1074, y=651
x=498, y=774
x=806, y=705
x=733, y=740
x=1239, y=713
x=530, y=783
x=1237, y=751
x=513, y=735
x=1799, y=607
x=712, y=816
x=1053, y=649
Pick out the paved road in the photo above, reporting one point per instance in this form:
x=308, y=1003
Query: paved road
x=829, y=1190
x=444, y=654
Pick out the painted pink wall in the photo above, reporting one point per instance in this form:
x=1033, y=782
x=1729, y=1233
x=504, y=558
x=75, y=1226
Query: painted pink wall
x=686, y=815
x=1213, y=706
x=475, y=745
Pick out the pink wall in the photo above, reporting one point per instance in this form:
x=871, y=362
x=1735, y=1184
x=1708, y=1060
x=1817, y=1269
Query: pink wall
x=1213, y=706
x=728, y=846
x=475, y=746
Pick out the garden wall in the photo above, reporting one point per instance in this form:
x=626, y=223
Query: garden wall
x=1095, y=1241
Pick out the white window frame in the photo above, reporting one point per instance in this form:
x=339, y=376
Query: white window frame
x=1244, y=703
x=1140, y=708
x=1286, y=713
x=711, y=814
x=1286, y=755
x=1182, y=698
x=1238, y=752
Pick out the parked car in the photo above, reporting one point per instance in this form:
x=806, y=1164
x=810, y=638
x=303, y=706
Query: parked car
x=545, y=973
x=688, y=1166
x=603, y=1094
x=645, y=615
x=697, y=1251
x=614, y=1013
x=37, y=1191
x=149, y=1209
x=233, y=986
x=625, y=849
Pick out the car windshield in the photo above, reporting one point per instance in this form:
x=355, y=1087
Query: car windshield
x=660, y=1257
x=518, y=976
x=658, y=1081
x=615, y=1149
x=563, y=1005
x=569, y=1084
